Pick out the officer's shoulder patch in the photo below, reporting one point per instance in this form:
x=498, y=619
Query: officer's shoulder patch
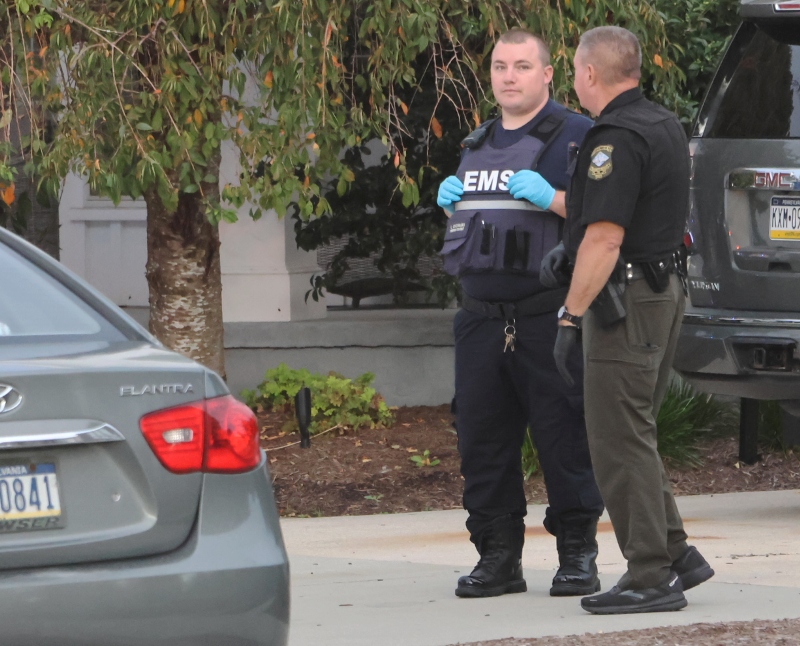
x=601, y=164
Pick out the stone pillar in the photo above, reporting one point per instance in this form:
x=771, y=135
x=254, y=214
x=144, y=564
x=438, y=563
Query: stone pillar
x=264, y=276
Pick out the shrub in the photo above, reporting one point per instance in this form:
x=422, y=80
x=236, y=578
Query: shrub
x=335, y=400
x=686, y=417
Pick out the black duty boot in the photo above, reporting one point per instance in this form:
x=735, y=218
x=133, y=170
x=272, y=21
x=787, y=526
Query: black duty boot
x=576, y=541
x=499, y=570
x=692, y=568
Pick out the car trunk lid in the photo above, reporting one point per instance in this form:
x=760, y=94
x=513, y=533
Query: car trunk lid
x=78, y=482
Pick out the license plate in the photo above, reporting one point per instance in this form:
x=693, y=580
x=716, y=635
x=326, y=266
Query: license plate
x=29, y=497
x=784, y=218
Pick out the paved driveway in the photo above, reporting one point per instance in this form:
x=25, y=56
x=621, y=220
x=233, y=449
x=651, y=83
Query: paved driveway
x=388, y=580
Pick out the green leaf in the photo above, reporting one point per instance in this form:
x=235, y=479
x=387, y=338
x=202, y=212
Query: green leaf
x=191, y=188
x=143, y=126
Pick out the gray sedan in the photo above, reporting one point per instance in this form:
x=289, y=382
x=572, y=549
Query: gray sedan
x=135, y=503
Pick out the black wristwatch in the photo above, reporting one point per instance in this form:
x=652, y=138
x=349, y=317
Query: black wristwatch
x=564, y=315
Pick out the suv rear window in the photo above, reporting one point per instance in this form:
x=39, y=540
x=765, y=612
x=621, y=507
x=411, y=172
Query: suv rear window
x=758, y=86
x=34, y=304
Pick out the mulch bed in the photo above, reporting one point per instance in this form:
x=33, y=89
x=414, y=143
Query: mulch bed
x=785, y=632
x=370, y=471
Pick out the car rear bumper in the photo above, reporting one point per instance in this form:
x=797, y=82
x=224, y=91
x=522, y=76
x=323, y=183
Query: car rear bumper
x=228, y=584
x=741, y=354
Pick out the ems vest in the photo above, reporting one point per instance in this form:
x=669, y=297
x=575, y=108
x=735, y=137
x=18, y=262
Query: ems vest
x=666, y=173
x=490, y=230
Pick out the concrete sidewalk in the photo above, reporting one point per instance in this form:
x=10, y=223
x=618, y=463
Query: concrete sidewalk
x=388, y=580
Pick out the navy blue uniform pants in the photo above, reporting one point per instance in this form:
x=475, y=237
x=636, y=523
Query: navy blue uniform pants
x=499, y=394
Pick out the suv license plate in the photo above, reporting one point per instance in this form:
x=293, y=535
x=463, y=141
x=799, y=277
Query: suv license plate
x=784, y=218
x=29, y=497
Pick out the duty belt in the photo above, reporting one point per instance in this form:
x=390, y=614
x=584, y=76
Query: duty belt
x=634, y=271
x=541, y=303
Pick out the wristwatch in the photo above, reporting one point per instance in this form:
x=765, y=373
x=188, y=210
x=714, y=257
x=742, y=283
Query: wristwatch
x=564, y=315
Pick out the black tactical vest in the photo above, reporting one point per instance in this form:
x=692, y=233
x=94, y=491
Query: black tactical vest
x=490, y=230
x=667, y=173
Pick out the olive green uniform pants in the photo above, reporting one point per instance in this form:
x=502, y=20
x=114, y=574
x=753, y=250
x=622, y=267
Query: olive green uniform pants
x=627, y=373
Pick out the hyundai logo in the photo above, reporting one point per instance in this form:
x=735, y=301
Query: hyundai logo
x=9, y=399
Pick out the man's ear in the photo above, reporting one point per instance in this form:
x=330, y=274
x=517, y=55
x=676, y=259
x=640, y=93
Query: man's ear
x=591, y=74
x=548, y=74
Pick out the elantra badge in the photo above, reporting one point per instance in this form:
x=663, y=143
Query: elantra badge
x=9, y=399
x=156, y=389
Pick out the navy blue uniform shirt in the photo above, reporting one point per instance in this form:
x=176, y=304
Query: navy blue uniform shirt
x=553, y=166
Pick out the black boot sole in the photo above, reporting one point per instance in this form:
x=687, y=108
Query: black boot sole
x=668, y=603
x=475, y=592
x=695, y=577
x=574, y=590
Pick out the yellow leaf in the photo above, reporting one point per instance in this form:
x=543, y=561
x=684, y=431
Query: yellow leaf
x=366, y=460
x=189, y=119
x=657, y=60
x=395, y=446
x=404, y=107
x=315, y=147
x=396, y=160
x=477, y=119
x=307, y=182
x=310, y=136
x=269, y=79
x=171, y=3
x=7, y=194
x=97, y=164
x=436, y=127
x=198, y=118
x=181, y=6
x=412, y=450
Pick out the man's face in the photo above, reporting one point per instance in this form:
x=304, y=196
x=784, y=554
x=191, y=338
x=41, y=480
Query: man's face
x=519, y=80
x=583, y=85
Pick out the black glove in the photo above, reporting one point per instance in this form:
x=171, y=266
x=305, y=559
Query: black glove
x=554, y=271
x=565, y=342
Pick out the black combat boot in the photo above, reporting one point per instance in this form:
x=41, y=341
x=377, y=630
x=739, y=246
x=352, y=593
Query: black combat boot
x=499, y=570
x=576, y=540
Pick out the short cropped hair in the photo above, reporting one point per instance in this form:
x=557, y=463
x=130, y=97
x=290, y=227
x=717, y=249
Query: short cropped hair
x=518, y=35
x=615, y=52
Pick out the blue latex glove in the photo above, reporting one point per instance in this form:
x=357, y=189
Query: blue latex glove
x=529, y=185
x=450, y=191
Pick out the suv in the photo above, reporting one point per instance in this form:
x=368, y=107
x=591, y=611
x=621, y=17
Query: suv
x=742, y=325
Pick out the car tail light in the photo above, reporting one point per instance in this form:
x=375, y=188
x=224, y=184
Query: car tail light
x=787, y=6
x=688, y=242
x=217, y=435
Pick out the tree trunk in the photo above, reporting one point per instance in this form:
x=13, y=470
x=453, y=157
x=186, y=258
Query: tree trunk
x=184, y=278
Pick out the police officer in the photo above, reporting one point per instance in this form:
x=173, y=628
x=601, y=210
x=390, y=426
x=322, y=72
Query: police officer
x=627, y=206
x=507, y=205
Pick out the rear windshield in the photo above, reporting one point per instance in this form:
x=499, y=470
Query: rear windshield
x=756, y=94
x=33, y=304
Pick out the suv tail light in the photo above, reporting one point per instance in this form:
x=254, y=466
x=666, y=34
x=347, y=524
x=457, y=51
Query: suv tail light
x=217, y=435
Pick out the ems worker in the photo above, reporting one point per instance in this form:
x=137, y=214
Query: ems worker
x=507, y=206
x=627, y=206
